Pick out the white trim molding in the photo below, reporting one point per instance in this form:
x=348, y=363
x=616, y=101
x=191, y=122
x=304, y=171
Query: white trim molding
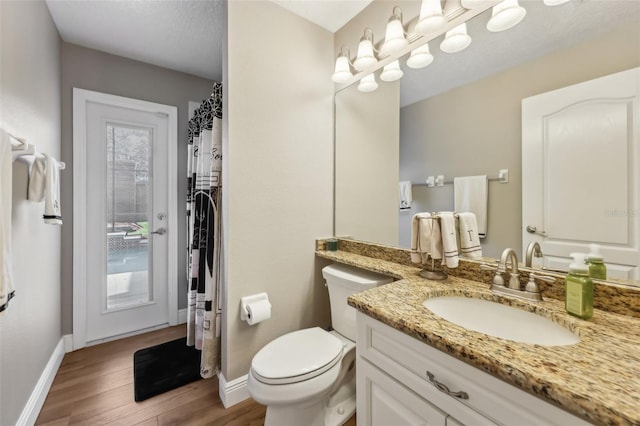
x=81, y=98
x=233, y=392
x=182, y=316
x=35, y=402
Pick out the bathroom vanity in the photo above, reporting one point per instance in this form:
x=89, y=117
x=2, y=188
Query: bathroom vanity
x=415, y=367
x=403, y=381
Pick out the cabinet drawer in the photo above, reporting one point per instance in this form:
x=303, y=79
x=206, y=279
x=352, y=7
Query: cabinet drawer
x=408, y=360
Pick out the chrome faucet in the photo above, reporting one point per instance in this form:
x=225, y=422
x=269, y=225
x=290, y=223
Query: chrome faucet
x=498, y=285
x=510, y=255
x=533, y=249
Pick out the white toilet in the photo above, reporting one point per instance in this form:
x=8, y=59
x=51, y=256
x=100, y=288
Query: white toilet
x=307, y=377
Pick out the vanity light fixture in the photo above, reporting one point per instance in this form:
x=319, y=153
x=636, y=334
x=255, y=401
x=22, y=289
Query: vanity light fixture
x=554, y=2
x=394, y=39
x=420, y=57
x=505, y=15
x=342, y=72
x=366, y=56
x=368, y=83
x=391, y=72
x=431, y=17
x=475, y=4
x=456, y=40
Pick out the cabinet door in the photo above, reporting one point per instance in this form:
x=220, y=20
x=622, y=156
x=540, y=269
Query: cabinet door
x=388, y=402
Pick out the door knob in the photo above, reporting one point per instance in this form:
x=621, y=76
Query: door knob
x=159, y=231
x=533, y=230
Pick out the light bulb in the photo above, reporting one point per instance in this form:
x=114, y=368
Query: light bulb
x=368, y=84
x=391, y=72
x=420, y=57
x=505, y=15
x=342, y=72
x=394, y=39
x=554, y=2
x=365, y=58
x=456, y=40
x=431, y=17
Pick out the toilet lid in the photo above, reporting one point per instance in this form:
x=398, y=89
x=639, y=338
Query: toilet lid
x=297, y=356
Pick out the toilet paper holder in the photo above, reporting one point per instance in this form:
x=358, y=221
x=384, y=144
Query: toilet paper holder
x=244, y=301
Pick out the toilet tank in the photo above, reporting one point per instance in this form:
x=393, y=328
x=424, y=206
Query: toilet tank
x=343, y=281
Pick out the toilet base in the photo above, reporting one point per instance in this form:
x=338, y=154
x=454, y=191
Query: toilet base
x=333, y=410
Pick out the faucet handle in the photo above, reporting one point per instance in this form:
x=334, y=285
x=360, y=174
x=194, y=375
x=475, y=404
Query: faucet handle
x=497, y=278
x=532, y=286
x=489, y=267
x=544, y=278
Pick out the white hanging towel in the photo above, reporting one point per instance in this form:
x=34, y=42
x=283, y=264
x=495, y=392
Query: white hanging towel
x=471, y=195
x=418, y=252
x=37, y=180
x=52, y=215
x=469, y=240
x=432, y=236
x=406, y=197
x=449, y=239
x=6, y=171
x=425, y=238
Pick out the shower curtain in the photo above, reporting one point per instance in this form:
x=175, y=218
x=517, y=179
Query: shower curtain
x=204, y=195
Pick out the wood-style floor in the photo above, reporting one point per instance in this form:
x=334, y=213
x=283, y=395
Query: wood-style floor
x=94, y=386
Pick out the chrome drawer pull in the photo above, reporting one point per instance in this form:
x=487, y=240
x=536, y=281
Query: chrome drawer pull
x=444, y=389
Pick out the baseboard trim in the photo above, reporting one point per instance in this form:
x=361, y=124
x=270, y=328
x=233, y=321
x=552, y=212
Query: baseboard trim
x=233, y=392
x=35, y=402
x=182, y=316
x=68, y=343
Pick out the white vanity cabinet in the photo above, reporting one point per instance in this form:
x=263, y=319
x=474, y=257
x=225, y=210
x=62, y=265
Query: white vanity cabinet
x=402, y=381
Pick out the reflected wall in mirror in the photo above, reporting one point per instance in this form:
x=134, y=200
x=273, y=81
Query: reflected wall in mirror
x=470, y=121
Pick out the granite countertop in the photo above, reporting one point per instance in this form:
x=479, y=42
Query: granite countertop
x=597, y=379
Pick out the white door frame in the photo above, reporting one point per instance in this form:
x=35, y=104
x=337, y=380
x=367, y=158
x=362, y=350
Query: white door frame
x=80, y=99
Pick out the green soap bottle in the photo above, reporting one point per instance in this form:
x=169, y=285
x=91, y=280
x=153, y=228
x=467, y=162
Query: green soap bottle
x=578, y=294
x=597, y=268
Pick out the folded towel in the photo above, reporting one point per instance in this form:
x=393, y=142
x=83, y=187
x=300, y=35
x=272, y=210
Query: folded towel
x=432, y=236
x=37, y=180
x=419, y=253
x=449, y=239
x=6, y=172
x=52, y=215
x=405, y=196
x=469, y=240
x=471, y=195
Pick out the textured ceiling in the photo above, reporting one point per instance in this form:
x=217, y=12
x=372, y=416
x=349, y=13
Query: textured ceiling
x=186, y=35
x=543, y=30
x=329, y=14
x=179, y=35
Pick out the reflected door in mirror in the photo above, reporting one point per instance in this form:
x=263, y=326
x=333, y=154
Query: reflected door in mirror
x=580, y=168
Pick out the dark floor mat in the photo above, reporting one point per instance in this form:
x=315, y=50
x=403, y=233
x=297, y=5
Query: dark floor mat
x=163, y=367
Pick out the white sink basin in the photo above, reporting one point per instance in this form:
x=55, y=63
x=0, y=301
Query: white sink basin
x=501, y=321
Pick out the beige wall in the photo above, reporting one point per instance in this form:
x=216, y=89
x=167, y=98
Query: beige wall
x=367, y=162
x=279, y=161
x=367, y=139
x=476, y=129
x=101, y=72
x=30, y=108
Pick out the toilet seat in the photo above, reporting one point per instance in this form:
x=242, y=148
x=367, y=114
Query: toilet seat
x=297, y=356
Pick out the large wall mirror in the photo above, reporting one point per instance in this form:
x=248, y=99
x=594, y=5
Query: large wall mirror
x=462, y=116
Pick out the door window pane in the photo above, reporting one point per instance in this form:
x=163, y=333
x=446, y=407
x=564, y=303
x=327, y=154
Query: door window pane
x=128, y=216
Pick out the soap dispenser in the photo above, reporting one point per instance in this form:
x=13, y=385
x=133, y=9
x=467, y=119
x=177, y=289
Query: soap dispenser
x=597, y=268
x=578, y=297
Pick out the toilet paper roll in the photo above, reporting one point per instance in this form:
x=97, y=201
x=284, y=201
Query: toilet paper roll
x=258, y=311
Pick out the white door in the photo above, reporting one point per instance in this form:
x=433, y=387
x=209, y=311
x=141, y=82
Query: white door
x=580, y=172
x=126, y=225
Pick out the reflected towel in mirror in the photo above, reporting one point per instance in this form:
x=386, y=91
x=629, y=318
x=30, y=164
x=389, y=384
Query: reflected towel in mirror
x=471, y=195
